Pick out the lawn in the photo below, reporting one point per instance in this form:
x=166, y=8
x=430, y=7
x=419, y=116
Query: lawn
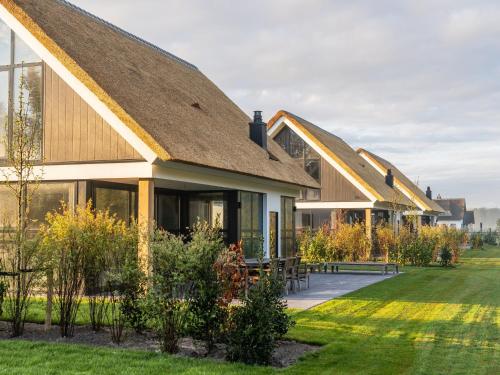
x=425, y=321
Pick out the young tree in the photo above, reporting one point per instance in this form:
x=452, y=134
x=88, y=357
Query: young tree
x=20, y=254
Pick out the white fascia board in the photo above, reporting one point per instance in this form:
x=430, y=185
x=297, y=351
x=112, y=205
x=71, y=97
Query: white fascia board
x=414, y=213
x=176, y=171
x=88, y=171
x=87, y=95
x=333, y=205
x=278, y=126
x=402, y=189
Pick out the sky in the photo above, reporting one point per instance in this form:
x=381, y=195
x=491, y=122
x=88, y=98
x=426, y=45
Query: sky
x=417, y=82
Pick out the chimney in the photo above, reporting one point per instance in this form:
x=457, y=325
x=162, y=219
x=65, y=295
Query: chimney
x=389, y=178
x=428, y=193
x=258, y=130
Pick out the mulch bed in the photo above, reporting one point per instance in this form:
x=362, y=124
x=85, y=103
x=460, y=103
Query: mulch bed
x=285, y=354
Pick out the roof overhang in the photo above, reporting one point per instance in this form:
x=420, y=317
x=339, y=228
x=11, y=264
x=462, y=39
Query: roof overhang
x=80, y=81
x=397, y=182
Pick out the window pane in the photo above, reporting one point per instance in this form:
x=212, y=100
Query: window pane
x=312, y=167
x=5, y=36
x=168, y=216
x=49, y=197
x=209, y=207
x=246, y=211
x=30, y=100
x=115, y=200
x=296, y=146
x=23, y=53
x=8, y=207
x=4, y=107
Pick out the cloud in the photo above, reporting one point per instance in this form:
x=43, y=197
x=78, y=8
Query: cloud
x=417, y=82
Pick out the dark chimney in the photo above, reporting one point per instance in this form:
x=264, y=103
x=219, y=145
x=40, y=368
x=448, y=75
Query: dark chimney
x=389, y=178
x=428, y=193
x=258, y=130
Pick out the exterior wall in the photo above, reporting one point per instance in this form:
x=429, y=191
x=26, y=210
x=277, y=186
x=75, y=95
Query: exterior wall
x=450, y=223
x=73, y=131
x=336, y=188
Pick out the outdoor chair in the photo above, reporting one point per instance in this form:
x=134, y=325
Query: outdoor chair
x=303, y=274
x=289, y=273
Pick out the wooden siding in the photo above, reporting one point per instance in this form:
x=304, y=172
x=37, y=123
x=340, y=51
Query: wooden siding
x=336, y=188
x=73, y=131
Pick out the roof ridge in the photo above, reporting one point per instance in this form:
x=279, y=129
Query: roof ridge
x=128, y=35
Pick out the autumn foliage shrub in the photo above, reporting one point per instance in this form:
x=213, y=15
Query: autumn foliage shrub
x=348, y=242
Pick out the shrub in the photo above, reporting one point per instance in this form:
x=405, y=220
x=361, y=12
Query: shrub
x=313, y=246
x=477, y=241
x=490, y=238
x=414, y=249
x=83, y=244
x=232, y=272
x=65, y=238
x=133, y=292
x=445, y=256
x=205, y=305
x=350, y=243
x=165, y=306
x=385, y=240
x=258, y=322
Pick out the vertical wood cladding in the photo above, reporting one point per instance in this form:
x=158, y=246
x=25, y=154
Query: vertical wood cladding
x=73, y=131
x=336, y=188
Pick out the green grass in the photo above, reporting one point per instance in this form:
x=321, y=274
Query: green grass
x=425, y=321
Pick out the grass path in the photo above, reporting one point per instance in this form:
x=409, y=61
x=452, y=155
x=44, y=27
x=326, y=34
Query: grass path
x=425, y=321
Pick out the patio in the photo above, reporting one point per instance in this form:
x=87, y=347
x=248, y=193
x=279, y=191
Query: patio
x=326, y=286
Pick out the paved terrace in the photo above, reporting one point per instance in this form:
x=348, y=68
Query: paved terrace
x=326, y=286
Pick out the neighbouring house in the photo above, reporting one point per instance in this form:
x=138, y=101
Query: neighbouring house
x=140, y=131
x=454, y=215
x=469, y=220
x=423, y=206
x=350, y=189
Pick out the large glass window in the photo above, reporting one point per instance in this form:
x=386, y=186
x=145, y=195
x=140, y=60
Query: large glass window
x=209, y=207
x=168, y=212
x=288, y=247
x=120, y=200
x=251, y=218
x=298, y=149
x=48, y=196
x=20, y=68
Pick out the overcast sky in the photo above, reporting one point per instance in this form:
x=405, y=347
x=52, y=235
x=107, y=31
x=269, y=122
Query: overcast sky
x=417, y=82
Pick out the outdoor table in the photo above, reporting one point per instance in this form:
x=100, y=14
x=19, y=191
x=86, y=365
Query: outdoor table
x=254, y=263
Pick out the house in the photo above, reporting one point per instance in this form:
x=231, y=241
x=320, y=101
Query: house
x=140, y=131
x=351, y=189
x=424, y=207
x=454, y=215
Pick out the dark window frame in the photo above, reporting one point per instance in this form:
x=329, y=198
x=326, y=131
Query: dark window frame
x=117, y=186
x=256, y=234
x=11, y=69
x=284, y=235
x=284, y=139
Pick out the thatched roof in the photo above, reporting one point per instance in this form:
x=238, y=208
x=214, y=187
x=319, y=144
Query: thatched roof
x=346, y=157
x=454, y=209
x=167, y=102
x=417, y=195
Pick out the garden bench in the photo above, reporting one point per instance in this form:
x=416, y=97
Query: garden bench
x=384, y=267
